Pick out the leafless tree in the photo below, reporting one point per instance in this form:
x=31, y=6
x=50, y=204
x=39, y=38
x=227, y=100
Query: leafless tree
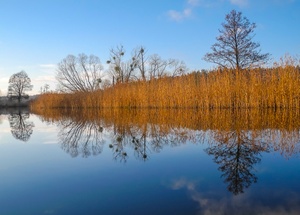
x=19, y=83
x=79, y=74
x=176, y=67
x=140, y=59
x=141, y=66
x=159, y=67
x=121, y=70
x=234, y=47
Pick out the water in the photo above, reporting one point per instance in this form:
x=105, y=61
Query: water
x=150, y=162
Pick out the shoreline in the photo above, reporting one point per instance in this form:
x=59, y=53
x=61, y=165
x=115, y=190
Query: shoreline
x=7, y=103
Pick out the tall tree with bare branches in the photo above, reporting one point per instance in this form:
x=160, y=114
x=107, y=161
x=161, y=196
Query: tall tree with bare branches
x=234, y=47
x=79, y=74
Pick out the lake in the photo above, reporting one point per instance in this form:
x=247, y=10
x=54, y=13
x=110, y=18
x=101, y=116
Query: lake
x=150, y=162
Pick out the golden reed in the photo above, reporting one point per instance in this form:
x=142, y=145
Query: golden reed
x=276, y=87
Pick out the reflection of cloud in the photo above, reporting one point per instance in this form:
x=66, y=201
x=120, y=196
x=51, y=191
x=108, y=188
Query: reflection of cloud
x=209, y=203
x=181, y=183
x=191, y=188
x=50, y=142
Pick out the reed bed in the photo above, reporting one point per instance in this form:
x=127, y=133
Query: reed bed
x=277, y=87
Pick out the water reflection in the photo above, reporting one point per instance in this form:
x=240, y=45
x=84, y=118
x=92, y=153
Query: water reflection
x=236, y=154
x=21, y=127
x=236, y=139
x=81, y=137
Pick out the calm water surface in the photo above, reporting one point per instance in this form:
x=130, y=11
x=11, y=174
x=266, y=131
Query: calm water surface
x=150, y=162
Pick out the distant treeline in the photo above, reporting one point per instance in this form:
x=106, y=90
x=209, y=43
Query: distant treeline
x=277, y=87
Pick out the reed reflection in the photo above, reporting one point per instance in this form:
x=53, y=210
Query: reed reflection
x=21, y=127
x=235, y=139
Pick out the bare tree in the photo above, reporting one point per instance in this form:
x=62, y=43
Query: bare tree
x=140, y=60
x=234, y=47
x=120, y=70
x=141, y=66
x=45, y=89
x=19, y=83
x=79, y=74
x=176, y=67
x=159, y=67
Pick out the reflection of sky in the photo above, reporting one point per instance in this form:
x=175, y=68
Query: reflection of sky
x=38, y=178
x=42, y=133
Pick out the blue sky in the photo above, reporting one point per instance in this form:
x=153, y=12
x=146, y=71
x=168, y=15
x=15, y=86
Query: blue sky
x=35, y=35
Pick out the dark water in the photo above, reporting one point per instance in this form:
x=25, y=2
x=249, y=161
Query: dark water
x=150, y=162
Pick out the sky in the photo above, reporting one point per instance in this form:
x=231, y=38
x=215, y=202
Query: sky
x=35, y=35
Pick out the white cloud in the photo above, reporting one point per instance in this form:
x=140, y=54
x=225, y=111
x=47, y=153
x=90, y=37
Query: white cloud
x=48, y=66
x=185, y=13
x=193, y=2
x=44, y=78
x=240, y=3
x=3, y=82
x=175, y=15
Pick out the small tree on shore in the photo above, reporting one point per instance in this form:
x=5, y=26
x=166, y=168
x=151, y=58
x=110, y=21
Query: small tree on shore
x=19, y=83
x=234, y=47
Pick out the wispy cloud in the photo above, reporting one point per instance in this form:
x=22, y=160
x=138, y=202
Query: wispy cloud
x=193, y=2
x=44, y=78
x=188, y=10
x=240, y=3
x=48, y=66
x=3, y=82
x=185, y=13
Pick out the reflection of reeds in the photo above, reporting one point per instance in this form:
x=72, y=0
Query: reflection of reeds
x=262, y=127
x=256, y=88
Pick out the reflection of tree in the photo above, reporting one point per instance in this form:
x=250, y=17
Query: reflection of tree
x=21, y=129
x=146, y=138
x=131, y=136
x=236, y=153
x=140, y=133
x=81, y=137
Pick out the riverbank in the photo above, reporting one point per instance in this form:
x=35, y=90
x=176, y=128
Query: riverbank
x=8, y=103
x=271, y=88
